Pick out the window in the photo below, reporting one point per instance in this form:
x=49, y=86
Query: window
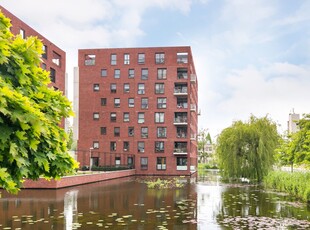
x=141, y=58
x=126, y=59
x=96, y=116
x=144, y=163
x=181, y=163
x=161, y=103
x=53, y=75
x=159, y=146
x=141, y=89
x=126, y=146
x=182, y=73
x=113, y=117
x=140, y=118
x=182, y=57
x=131, y=102
x=117, y=161
x=22, y=33
x=126, y=87
x=131, y=131
x=117, y=73
x=44, y=54
x=116, y=131
x=113, y=146
x=113, y=88
x=161, y=132
x=159, y=88
x=113, y=59
x=96, y=87
x=144, y=103
x=90, y=59
x=161, y=163
x=103, y=130
x=126, y=117
x=159, y=117
x=103, y=101
x=141, y=146
x=131, y=73
x=160, y=58
x=104, y=73
x=117, y=102
x=144, y=132
x=162, y=73
x=56, y=58
x=144, y=74
x=96, y=144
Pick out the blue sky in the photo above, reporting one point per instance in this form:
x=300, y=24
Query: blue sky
x=251, y=57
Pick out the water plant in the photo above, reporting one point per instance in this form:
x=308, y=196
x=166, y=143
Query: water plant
x=158, y=183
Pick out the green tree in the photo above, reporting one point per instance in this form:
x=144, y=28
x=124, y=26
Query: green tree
x=246, y=149
x=298, y=145
x=31, y=142
x=203, y=139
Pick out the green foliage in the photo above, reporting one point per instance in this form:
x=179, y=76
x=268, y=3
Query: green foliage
x=296, y=184
x=295, y=149
x=247, y=149
x=164, y=183
x=31, y=142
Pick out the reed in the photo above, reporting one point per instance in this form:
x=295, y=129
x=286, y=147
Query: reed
x=296, y=184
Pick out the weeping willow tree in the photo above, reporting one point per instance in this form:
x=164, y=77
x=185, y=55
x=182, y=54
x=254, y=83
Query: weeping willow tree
x=246, y=149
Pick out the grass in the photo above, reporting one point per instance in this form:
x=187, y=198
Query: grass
x=296, y=184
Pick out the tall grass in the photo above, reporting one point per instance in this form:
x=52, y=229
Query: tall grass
x=296, y=184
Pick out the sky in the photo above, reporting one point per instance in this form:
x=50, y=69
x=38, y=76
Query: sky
x=252, y=57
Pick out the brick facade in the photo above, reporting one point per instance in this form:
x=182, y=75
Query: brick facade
x=173, y=110
x=53, y=60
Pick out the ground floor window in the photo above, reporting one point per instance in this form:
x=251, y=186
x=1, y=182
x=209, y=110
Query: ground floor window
x=130, y=161
x=144, y=163
x=117, y=161
x=181, y=163
x=161, y=163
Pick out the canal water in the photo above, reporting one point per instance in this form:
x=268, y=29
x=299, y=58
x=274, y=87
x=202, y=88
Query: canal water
x=203, y=203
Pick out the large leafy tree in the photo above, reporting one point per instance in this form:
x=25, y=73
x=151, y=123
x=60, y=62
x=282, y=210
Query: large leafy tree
x=246, y=149
x=295, y=149
x=31, y=142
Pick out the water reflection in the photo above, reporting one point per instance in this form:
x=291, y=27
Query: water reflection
x=128, y=204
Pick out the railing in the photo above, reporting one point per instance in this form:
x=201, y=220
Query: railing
x=182, y=105
x=180, y=120
x=180, y=90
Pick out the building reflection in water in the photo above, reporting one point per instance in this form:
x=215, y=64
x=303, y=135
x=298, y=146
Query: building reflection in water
x=70, y=208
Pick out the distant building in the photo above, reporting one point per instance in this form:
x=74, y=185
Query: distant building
x=53, y=59
x=138, y=106
x=292, y=123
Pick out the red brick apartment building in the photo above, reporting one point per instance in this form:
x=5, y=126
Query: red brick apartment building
x=53, y=60
x=138, y=107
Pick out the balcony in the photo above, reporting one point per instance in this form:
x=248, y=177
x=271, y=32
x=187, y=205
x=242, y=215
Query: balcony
x=193, y=78
x=180, y=89
x=180, y=151
x=180, y=148
x=180, y=118
x=193, y=107
x=180, y=121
